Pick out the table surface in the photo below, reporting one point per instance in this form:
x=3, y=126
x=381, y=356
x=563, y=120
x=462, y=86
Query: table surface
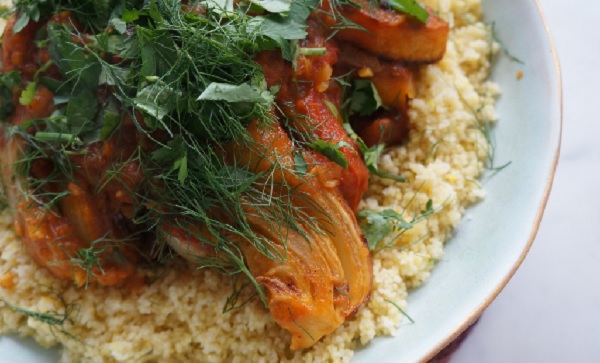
x=549, y=311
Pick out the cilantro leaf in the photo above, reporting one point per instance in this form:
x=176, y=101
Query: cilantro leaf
x=331, y=151
x=174, y=150
x=30, y=10
x=110, y=121
x=371, y=157
x=119, y=24
x=125, y=46
x=129, y=16
x=174, y=154
x=81, y=71
x=282, y=30
x=158, y=51
x=300, y=161
x=354, y=136
x=155, y=12
x=157, y=100
x=81, y=112
x=377, y=226
x=333, y=109
x=221, y=7
x=273, y=6
x=410, y=7
x=236, y=93
x=54, y=85
x=364, y=98
x=110, y=118
x=28, y=94
x=21, y=22
x=181, y=165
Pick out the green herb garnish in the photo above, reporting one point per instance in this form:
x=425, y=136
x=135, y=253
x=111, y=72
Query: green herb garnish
x=331, y=151
x=410, y=7
x=382, y=229
x=364, y=98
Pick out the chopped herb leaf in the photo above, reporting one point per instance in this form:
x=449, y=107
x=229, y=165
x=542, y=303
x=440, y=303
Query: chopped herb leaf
x=21, y=22
x=371, y=157
x=157, y=100
x=158, y=51
x=129, y=16
x=410, y=7
x=379, y=226
x=300, y=161
x=174, y=150
x=119, y=25
x=181, y=165
x=53, y=85
x=333, y=109
x=28, y=94
x=221, y=7
x=364, y=98
x=80, y=70
x=283, y=30
x=175, y=155
x=109, y=124
x=81, y=111
x=331, y=151
x=354, y=136
x=273, y=6
x=30, y=10
x=236, y=93
x=110, y=119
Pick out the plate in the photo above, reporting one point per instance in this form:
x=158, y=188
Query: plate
x=495, y=236
x=493, y=240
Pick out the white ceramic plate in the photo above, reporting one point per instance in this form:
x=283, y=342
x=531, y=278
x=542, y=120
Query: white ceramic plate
x=487, y=249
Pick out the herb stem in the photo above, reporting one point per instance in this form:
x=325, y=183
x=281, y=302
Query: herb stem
x=312, y=51
x=57, y=137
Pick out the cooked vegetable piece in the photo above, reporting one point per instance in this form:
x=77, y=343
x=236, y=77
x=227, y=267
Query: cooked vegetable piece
x=326, y=276
x=327, y=273
x=390, y=130
x=311, y=110
x=17, y=48
x=391, y=34
x=65, y=238
x=56, y=240
x=394, y=83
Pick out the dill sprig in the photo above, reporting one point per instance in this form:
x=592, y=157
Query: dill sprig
x=411, y=320
x=55, y=319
